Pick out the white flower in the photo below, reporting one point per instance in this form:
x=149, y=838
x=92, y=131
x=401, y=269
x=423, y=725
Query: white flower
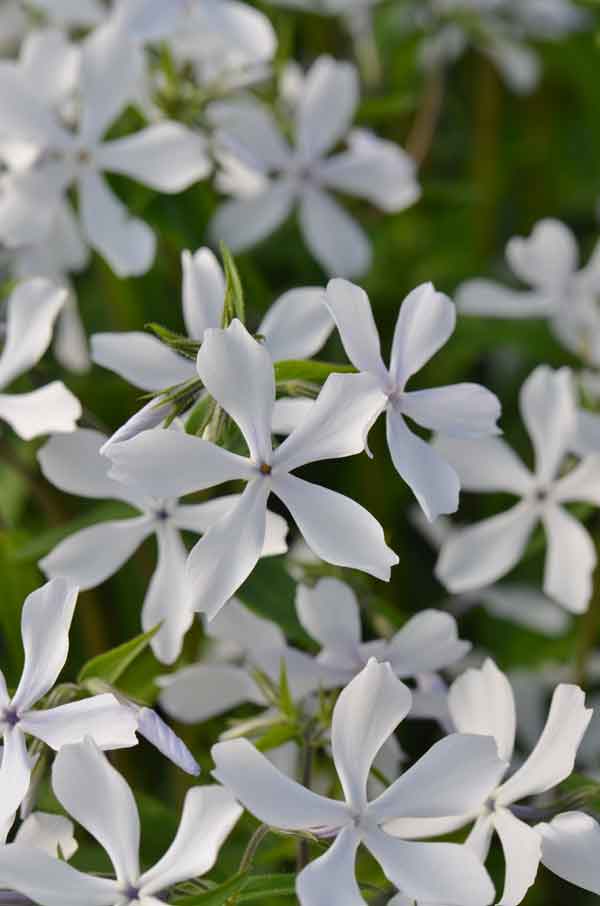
x=295, y=327
x=330, y=614
x=45, y=623
x=88, y=557
x=571, y=849
x=53, y=834
x=32, y=310
x=476, y=556
x=165, y=156
x=456, y=770
x=425, y=323
x=268, y=178
x=481, y=701
x=567, y=296
x=228, y=43
x=92, y=791
x=237, y=371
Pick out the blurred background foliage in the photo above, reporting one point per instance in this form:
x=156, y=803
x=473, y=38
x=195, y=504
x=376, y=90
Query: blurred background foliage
x=498, y=163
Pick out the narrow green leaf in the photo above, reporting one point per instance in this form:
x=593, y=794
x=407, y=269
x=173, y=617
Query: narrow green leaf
x=311, y=372
x=261, y=886
x=234, y=306
x=110, y=665
x=219, y=895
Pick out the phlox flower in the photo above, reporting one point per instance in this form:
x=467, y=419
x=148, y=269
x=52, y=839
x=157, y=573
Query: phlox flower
x=295, y=327
x=92, y=791
x=45, y=622
x=238, y=373
x=267, y=177
x=425, y=323
x=476, y=556
x=165, y=156
x=456, y=770
x=571, y=849
x=561, y=292
x=90, y=556
x=482, y=701
x=31, y=312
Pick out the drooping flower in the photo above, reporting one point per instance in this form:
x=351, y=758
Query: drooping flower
x=92, y=791
x=476, y=556
x=45, y=622
x=238, y=373
x=31, y=312
x=267, y=178
x=425, y=323
x=90, y=556
x=481, y=701
x=457, y=770
x=560, y=292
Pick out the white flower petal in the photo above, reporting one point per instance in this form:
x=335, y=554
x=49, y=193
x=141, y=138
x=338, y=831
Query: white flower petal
x=374, y=169
x=238, y=372
x=31, y=311
x=172, y=464
x=570, y=848
x=109, y=69
x=351, y=310
x=337, y=424
x=454, y=777
x=547, y=258
x=570, y=560
x=289, y=413
x=53, y=834
x=522, y=847
x=297, y=325
x=203, y=291
x=438, y=872
x=581, y=484
x=330, y=614
x=478, y=555
x=141, y=359
x=128, y=244
x=334, y=238
x=434, y=483
x=92, y=555
x=527, y=607
x=367, y=712
x=50, y=61
x=329, y=98
x=270, y=795
x=425, y=323
x=349, y=536
x=152, y=727
x=208, y=817
x=428, y=641
x=49, y=410
x=547, y=403
x=168, y=599
x=25, y=116
x=553, y=758
x=492, y=300
x=45, y=623
x=462, y=410
x=73, y=463
x=102, y=718
x=481, y=836
x=150, y=416
x=199, y=517
x=485, y=464
x=97, y=797
x=224, y=558
x=51, y=882
x=166, y=156
x=332, y=872
x=238, y=625
x=482, y=701
x=15, y=774
x=248, y=129
x=197, y=693
x=243, y=222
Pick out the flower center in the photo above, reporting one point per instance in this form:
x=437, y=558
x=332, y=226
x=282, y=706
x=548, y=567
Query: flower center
x=10, y=717
x=131, y=893
x=265, y=468
x=162, y=515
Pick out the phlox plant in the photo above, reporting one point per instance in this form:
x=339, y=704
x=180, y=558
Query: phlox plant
x=299, y=453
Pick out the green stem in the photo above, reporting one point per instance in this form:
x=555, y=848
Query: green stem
x=250, y=852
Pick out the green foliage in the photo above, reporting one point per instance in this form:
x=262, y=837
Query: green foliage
x=111, y=665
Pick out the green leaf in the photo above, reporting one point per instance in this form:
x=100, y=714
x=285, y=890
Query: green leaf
x=261, y=886
x=110, y=665
x=234, y=306
x=311, y=372
x=277, y=736
x=219, y=895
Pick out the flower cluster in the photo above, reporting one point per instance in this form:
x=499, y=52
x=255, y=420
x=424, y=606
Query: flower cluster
x=385, y=746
